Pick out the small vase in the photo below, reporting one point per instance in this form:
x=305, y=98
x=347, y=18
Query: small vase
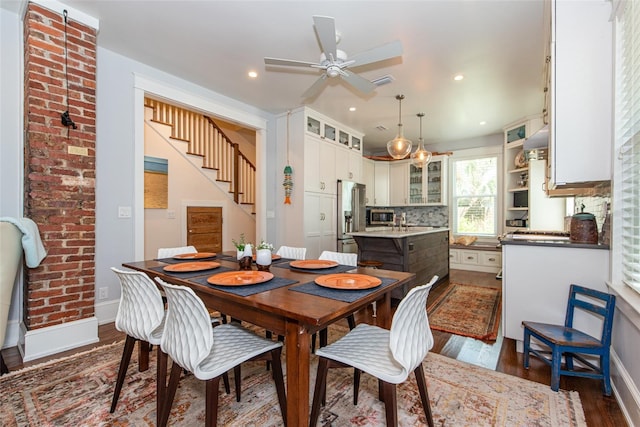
x=239, y=254
x=245, y=263
x=263, y=259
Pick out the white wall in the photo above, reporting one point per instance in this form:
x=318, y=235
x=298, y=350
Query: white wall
x=11, y=153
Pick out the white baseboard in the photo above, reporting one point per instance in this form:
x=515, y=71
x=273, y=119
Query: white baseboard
x=106, y=311
x=12, y=335
x=55, y=339
x=625, y=391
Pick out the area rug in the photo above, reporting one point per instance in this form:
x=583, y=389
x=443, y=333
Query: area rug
x=467, y=310
x=76, y=391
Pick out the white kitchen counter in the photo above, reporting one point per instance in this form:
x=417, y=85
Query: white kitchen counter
x=389, y=233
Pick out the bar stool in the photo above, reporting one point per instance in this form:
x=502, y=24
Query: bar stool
x=371, y=263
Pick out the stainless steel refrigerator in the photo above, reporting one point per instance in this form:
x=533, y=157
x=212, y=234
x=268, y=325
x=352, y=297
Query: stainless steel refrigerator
x=351, y=214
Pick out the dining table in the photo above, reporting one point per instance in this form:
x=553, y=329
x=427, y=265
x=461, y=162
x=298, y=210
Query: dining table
x=291, y=304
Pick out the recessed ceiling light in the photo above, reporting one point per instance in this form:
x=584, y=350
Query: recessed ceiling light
x=458, y=77
x=482, y=123
x=352, y=108
x=252, y=74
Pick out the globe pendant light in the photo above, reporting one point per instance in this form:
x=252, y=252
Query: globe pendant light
x=420, y=157
x=399, y=147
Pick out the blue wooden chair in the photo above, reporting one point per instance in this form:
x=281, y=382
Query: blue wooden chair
x=571, y=343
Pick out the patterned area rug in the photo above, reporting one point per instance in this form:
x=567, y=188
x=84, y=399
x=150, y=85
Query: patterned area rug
x=77, y=391
x=467, y=310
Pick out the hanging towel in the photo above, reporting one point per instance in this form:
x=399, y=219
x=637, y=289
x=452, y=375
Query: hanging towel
x=34, y=251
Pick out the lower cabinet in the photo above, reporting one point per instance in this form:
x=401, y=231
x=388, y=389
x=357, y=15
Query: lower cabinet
x=487, y=260
x=425, y=255
x=319, y=223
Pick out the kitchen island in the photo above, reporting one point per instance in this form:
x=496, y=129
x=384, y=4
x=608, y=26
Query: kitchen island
x=420, y=250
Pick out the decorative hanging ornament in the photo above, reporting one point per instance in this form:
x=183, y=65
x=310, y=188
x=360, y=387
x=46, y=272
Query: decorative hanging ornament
x=288, y=171
x=287, y=184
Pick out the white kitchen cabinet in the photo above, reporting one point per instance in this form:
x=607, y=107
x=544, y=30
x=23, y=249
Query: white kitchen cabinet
x=398, y=183
x=319, y=166
x=348, y=164
x=536, y=281
x=381, y=184
x=319, y=223
x=369, y=180
x=312, y=151
x=428, y=185
x=581, y=92
x=489, y=261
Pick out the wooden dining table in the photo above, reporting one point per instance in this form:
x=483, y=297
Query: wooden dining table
x=296, y=315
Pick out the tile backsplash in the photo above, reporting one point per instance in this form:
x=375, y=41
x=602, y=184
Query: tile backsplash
x=428, y=216
x=595, y=205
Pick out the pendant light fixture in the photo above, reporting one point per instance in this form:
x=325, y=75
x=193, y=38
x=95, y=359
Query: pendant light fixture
x=399, y=147
x=420, y=157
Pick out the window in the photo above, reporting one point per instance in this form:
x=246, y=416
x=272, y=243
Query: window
x=627, y=142
x=475, y=196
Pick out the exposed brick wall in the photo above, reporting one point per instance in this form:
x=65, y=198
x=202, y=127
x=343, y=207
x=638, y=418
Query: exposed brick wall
x=59, y=186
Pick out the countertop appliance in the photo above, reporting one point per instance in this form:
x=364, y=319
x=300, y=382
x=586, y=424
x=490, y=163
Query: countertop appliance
x=381, y=216
x=352, y=214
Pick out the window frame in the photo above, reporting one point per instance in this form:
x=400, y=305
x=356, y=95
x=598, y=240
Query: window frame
x=474, y=154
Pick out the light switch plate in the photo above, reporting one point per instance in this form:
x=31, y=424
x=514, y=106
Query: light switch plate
x=124, y=211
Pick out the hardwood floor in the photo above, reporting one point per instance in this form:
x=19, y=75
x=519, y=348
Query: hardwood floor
x=599, y=410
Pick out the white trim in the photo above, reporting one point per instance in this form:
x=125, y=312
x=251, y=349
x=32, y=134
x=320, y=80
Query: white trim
x=106, y=311
x=627, y=302
x=625, y=391
x=54, y=339
x=12, y=335
x=72, y=13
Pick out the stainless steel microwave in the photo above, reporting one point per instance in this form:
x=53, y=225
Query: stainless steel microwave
x=381, y=216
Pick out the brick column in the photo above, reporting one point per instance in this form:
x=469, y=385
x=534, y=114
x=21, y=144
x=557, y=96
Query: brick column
x=59, y=166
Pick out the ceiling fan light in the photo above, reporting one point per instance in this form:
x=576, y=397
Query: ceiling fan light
x=399, y=147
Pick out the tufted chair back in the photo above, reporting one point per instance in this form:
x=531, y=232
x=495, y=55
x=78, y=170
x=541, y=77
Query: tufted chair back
x=342, y=258
x=170, y=252
x=410, y=339
x=141, y=310
x=291, y=252
x=188, y=336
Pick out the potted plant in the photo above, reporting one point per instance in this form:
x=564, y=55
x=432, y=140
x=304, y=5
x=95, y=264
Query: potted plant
x=240, y=246
x=263, y=255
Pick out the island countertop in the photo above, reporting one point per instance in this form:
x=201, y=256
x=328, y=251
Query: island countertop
x=389, y=233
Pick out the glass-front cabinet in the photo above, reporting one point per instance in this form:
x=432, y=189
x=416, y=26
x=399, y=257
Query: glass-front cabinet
x=427, y=185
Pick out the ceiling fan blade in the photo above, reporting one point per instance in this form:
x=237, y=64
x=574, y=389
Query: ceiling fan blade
x=380, y=53
x=326, y=29
x=315, y=88
x=288, y=62
x=360, y=83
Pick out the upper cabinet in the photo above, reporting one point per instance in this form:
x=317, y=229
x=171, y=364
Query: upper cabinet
x=581, y=92
x=381, y=188
x=428, y=185
x=324, y=128
x=369, y=180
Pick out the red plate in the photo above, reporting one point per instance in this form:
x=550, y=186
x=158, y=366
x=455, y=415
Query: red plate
x=313, y=264
x=195, y=255
x=349, y=281
x=240, y=278
x=186, y=267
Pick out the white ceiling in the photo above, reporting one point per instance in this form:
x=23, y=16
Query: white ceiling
x=497, y=45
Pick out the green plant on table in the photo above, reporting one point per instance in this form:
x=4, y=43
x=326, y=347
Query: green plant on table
x=239, y=244
x=265, y=245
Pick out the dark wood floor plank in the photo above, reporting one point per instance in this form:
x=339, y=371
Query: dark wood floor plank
x=599, y=410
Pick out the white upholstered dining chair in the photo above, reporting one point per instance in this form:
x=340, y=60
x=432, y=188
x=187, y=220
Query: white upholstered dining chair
x=141, y=316
x=291, y=252
x=389, y=355
x=171, y=252
x=340, y=257
x=210, y=352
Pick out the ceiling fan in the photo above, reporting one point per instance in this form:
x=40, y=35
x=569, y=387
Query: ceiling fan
x=335, y=62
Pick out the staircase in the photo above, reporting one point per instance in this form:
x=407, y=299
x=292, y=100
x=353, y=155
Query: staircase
x=205, y=139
